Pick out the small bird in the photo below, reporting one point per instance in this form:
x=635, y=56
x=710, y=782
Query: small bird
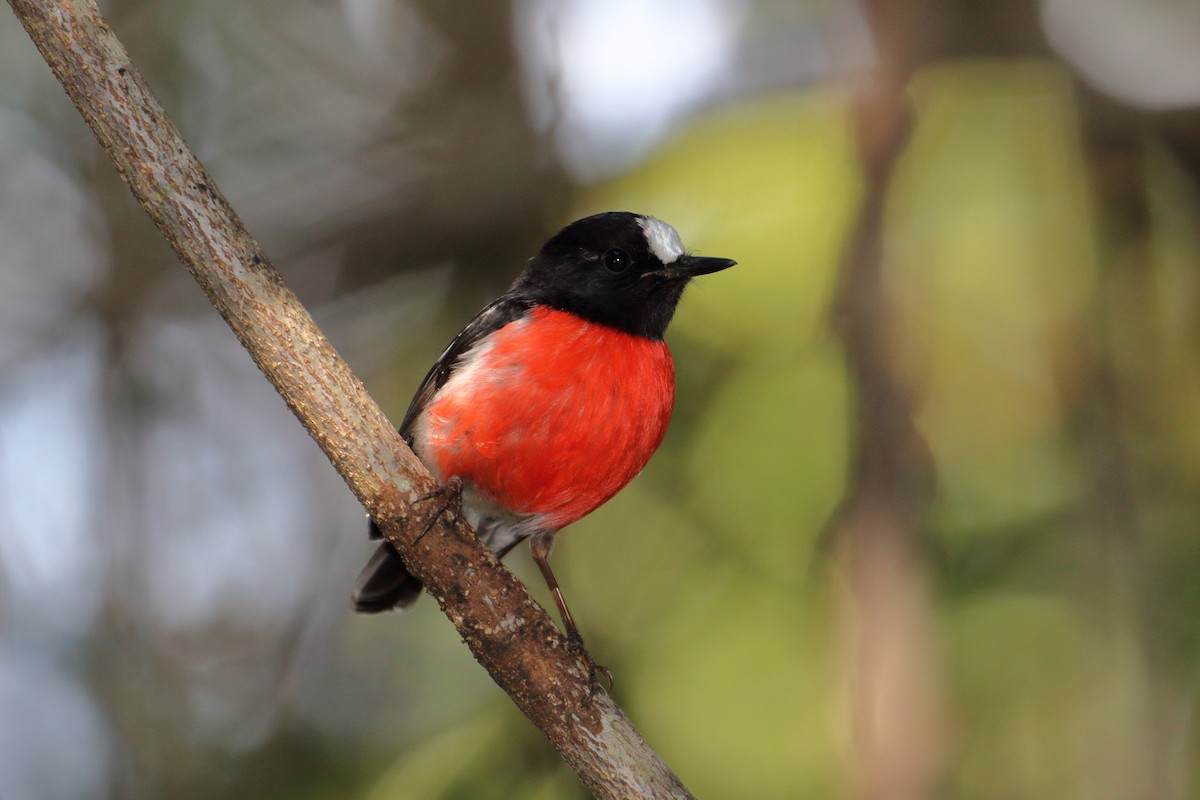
x=552, y=398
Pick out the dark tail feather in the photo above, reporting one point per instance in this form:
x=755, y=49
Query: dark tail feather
x=384, y=584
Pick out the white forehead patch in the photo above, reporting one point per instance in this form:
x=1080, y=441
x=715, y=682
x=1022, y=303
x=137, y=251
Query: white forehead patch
x=663, y=240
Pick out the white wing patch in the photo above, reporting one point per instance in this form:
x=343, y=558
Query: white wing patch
x=663, y=240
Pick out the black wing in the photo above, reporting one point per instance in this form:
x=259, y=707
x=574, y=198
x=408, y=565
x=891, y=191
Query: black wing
x=384, y=583
x=493, y=317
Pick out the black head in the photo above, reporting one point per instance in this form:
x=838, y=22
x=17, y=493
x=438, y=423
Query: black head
x=623, y=270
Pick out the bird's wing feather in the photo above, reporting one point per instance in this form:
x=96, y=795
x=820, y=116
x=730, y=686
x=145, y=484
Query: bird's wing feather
x=493, y=317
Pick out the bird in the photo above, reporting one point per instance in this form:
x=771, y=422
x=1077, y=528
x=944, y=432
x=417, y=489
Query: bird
x=551, y=399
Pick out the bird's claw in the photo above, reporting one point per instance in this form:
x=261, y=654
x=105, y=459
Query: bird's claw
x=450, y=494
x=595, y=669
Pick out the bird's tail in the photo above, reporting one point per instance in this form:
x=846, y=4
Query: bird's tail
x=384, y=583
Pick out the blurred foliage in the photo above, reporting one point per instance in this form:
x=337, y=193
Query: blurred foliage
x=175, y=556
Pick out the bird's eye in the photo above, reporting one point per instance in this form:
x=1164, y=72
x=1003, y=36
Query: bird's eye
x=616, y=260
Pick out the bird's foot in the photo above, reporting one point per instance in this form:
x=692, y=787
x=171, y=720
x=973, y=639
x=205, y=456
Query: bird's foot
x=595, y=669
x=450, y=496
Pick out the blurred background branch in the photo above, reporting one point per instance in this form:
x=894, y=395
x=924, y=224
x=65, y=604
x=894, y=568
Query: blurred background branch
x=1038, y=248
x=888, y=627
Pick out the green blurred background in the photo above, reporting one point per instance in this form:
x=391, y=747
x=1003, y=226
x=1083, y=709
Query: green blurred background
x=176, y=555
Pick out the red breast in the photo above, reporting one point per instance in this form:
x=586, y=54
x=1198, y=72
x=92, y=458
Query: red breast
x=551, y=415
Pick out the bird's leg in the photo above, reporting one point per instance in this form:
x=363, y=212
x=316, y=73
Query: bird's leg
x=540, y=545
x=450, y=494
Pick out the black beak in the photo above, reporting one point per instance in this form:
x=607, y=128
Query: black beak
x=692, y=266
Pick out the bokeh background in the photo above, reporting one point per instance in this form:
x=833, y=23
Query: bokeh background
x=1020, y=620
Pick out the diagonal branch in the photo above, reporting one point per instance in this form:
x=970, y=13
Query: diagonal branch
x=510, y=635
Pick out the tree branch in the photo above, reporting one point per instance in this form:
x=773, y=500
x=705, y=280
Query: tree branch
x=510, y=635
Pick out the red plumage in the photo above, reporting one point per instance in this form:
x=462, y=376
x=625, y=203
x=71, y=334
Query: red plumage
x=552, y=416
